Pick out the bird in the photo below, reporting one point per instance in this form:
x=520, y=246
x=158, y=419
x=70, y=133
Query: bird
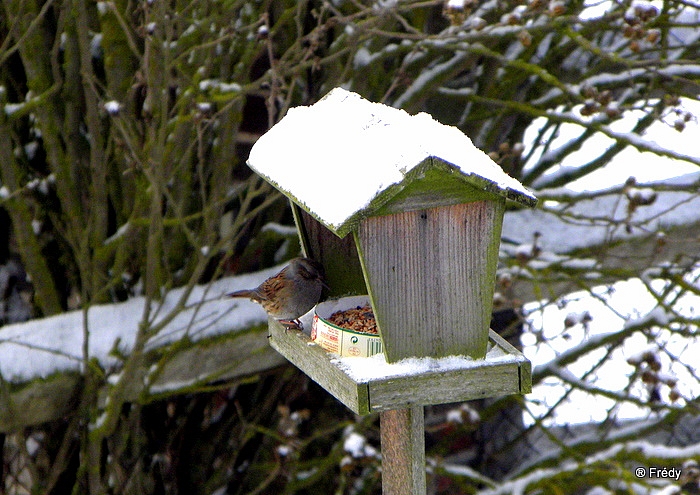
x=290, y=293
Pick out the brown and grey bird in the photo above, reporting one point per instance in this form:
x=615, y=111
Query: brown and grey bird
x=289, y=294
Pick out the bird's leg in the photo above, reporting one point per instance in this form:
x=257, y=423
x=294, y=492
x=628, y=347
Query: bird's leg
x=295, y=324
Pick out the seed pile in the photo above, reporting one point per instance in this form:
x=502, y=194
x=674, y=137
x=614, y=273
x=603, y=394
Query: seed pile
x=358, y=319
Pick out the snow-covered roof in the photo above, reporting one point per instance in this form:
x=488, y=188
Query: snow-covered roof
x=345, y=157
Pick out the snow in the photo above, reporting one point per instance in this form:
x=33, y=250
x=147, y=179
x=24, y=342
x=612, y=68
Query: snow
x=612, y=454
x=567, y=362
x=525, y=251
x=113, y=107
x=209, y=84
x=278, y=228
x=669, y=490
x=377, y=368
x=599, y=490
x=41, y=185
x=356, y=445
x=34, y=443
x=384, y=4
x=658, y=316
x=303, y=475
x=458, y=415
x=364, y=57
x=30, y=149
x=466, y=471
x=477, y=23
x=338, y=155
x=96, y=46
x=618, y=78
x=205, y=107
x=121, y=232
x=641, y=195
x=41, y=347
x=284, y=450
x=590, y=222
x=427, y=78
x=454, y=416
x=12, y=108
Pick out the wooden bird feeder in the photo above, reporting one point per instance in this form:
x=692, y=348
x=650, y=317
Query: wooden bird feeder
x=424, y=207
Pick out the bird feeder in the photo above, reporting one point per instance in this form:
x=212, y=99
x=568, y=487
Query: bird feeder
x=408, y=211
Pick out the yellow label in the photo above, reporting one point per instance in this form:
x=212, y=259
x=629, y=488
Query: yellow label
x=344, y=343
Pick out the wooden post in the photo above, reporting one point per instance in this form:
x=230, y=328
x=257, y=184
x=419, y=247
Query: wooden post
x=403, y=451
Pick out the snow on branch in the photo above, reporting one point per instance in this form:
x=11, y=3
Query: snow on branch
x=583, y=220
x=628, y=138
x=626, y=77
x=619, y=452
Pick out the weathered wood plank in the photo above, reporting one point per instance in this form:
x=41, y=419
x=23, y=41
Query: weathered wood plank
x=504, y=371
x=39, y=401
x=226, y=357
x=445, y=387
x=318, y=364
x=403, y=451
x=431, y=275
x=338, y=256
x=524, y=364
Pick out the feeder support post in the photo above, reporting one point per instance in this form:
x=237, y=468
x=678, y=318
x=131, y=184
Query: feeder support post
x=403, y=451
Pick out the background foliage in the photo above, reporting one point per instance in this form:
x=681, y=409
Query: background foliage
x=125, y=130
